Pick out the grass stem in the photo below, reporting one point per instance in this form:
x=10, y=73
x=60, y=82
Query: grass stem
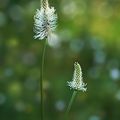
x=41, y=80
x=70, y=104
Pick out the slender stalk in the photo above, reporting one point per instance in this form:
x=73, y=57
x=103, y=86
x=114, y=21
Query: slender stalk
x=41, y=79
x=70, y=103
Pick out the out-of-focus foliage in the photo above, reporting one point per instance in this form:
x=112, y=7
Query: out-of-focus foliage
x=88, y=32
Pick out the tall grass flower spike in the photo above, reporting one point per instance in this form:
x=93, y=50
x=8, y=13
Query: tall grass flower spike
x=45, y=21
x=77, y=82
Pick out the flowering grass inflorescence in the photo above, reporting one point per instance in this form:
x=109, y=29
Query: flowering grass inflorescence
x=77, y=82
x=45, y=21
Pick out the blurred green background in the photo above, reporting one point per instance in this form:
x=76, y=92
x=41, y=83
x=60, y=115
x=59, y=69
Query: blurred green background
x=88, y=32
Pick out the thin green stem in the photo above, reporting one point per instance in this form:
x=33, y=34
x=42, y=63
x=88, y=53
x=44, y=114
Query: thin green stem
x=41, y=79
x=70, y=104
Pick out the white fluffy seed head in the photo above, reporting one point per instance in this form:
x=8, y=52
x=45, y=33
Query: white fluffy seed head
x=77, y=82
x=45, y=21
